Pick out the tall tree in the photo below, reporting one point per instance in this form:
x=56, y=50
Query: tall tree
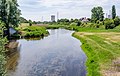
x=113, y=12
x=9, y=13
x=97, y=14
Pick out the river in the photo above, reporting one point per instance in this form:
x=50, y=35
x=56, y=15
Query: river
x=59, y=54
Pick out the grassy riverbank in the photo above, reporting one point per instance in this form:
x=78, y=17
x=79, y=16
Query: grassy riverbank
x=32, y=31
x=103, y=52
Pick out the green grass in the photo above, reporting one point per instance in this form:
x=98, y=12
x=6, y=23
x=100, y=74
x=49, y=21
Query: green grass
x=100, y=54
x=54, y=26
x=92, y=29
x=34, y=31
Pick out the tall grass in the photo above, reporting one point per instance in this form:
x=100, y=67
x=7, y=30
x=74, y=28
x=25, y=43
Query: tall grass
x=35, y=31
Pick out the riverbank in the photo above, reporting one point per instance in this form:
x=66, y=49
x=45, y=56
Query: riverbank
x=32, y=31
x=103, y=52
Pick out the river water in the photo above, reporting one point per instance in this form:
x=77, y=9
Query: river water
x=59, y=54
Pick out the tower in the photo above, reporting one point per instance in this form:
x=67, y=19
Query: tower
x=57, y=16
x=52, y=18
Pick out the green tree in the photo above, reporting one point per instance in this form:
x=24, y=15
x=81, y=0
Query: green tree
x=97, y=14
x=109, y=24
x=9, y=13
x=113, y=12
x=23, y=20
x=2, y=51
x=30, y=23
x=117, y=21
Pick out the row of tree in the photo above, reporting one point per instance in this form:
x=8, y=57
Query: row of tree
x=98, y=14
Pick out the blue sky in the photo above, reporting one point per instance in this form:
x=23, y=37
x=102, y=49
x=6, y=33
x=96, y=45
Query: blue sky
x=35, y=9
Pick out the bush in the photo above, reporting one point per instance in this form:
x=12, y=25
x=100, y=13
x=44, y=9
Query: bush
x=2, y=51
x=79, y=23
x=109, y=24
x=117, y=21
x=35, y=31
x=73, y=24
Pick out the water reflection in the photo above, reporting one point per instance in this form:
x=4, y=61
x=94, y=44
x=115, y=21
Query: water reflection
x=12, y=58
x=56, y=55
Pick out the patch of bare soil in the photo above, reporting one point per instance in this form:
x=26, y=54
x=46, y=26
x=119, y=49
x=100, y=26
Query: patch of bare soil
x=114, y=70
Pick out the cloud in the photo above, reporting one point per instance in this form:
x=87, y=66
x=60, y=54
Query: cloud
x=35, y=9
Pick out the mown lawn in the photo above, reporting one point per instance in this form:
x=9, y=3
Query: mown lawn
x=103, y=52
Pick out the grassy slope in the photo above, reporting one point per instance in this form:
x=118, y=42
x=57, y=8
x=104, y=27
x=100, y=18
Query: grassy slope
x=101, y=49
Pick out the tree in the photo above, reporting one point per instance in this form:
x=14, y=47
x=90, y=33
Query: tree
x=9, y=13
x=30, y=23
x=23, y=20
x=97, y=14
x=117, y=21
x=113, y=12
x=109, y=24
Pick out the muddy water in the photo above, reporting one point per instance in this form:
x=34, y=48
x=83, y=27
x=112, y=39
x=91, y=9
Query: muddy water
x=59, y=54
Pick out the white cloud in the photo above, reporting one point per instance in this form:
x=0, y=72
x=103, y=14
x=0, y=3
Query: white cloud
x=35, y=9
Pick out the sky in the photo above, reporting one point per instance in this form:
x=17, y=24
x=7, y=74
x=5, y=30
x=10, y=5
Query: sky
x=41, y=10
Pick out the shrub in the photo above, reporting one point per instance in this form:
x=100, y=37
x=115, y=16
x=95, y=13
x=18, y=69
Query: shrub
x=109, y=24
x=79, y=23
x=2, y=51
x=73, y=24
x=35, y=31
x=117, y=21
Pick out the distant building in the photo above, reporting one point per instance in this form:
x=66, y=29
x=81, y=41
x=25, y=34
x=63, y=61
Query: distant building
x=110, y=16
x=84, y=19
x=52, y=18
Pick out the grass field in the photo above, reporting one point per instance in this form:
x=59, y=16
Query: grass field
x=103, y=52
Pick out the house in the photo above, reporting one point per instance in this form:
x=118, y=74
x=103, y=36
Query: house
x=84, y=19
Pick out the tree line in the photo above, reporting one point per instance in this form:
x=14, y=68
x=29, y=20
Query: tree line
x=97, y=19
x=98, y=16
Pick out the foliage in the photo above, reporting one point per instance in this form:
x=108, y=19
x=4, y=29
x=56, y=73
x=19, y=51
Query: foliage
x=30, y=22
x=73, y=24
x=54, y=26
x=9, y=13
x=23, y=20
x=2, y=51
x=35, y=31
x=109, y=24
x=97, y=14
x=113, y=12
x=63, y=21
x=117, y=21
